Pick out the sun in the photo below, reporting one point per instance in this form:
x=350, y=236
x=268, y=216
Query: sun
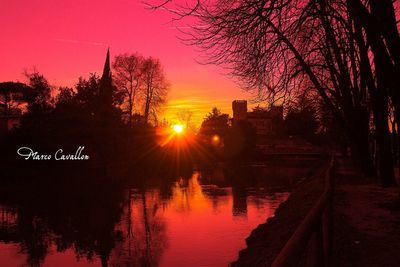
x=178, y=128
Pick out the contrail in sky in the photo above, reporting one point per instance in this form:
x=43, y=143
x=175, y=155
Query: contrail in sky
x=80, y=42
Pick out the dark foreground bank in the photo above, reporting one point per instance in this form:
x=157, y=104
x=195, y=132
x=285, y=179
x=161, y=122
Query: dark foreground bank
x=266, y=241
x=366, y=221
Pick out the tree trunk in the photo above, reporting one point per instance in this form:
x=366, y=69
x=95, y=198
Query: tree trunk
x=385, y=77
x=384, y=152
x=359, y=141
x=130, y=111
x=394, y=143
x=384, y=11
x=147, y=111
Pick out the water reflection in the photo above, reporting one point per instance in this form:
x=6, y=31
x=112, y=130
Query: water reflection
x=191, y=222
x=144, y=231
x=60, y=219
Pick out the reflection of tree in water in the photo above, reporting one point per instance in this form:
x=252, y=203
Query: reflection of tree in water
x=101, y=221
x=63, y=217
x=144, y=231
x=239, y=199
x=249, y=185
x=34, y=238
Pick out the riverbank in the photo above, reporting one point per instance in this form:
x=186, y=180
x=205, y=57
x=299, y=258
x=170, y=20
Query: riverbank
x=366, y=221
x=265, y=242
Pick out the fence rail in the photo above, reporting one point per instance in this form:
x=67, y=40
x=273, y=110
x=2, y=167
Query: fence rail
x=313, y=237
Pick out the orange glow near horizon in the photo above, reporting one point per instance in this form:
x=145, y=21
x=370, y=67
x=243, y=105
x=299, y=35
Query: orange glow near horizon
x=63, y=44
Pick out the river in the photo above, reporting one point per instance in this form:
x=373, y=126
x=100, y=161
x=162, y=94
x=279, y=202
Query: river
x=188, y=222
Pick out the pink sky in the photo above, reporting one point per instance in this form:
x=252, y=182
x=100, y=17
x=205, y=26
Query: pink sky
x=67, y=39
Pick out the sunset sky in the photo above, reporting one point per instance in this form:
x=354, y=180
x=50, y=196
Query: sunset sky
x=67, y=39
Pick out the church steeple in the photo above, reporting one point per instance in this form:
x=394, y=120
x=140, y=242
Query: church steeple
x=106, y=77
x=106, y=88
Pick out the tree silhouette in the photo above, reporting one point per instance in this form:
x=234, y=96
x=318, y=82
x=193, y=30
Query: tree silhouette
x=155, y=86
x=184, y=117
x=12, y=95
x=127, y=77
x=39, y=98
x=302, y=122
x=346, y=51
x=215, y=123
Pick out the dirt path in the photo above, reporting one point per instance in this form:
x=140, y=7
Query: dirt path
x=366, y=222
